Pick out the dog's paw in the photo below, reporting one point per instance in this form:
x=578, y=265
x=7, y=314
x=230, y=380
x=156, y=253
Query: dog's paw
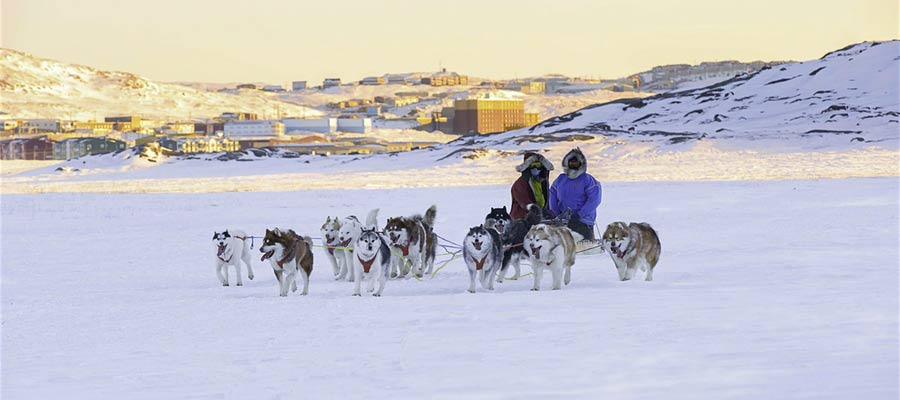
x=394, y=275
x=251, y=277
x=294, y=289
x=376, y=294
x=470, y=291
x=225, y=284
x=535, y=289
x=357, y=294
x=240, y=284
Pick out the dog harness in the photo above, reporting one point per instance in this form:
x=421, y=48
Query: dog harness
x=405, y=249
x=367, y=265
x=219, y=255
x=479, y=264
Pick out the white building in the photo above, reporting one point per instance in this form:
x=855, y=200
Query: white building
x=42, y=125
x=298, y=86
x=318, y=125
x=273, y=88
x=331, y=82
x=253, y=128
x=354, y=125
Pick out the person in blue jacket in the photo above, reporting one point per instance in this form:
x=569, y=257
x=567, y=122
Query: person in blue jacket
x=578, y=191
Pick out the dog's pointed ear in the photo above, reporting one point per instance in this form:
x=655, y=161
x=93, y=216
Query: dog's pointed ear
x=328, y=220
x=226, y=233
x=504, y=208
x=214, y=235
x=277, y=232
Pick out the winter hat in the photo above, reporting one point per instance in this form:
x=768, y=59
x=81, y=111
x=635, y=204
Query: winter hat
x=531, y=157
x=575, y=154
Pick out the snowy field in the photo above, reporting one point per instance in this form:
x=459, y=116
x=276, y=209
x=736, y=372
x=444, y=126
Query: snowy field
x=765, y=290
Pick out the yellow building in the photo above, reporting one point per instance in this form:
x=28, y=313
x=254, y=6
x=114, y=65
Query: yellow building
x=95, y=127
x=532, y=118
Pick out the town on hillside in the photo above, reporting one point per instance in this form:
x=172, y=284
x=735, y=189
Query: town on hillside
x=446, y=104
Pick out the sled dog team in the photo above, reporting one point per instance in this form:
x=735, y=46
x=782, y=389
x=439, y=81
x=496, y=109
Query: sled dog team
x=361, y=253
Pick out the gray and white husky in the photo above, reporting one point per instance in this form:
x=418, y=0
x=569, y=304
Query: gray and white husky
x=333, y=250
x=371, y=258
x=553, y=248
x=632, y=246
x=483, y=252
x=231, y=249
x=350, y=230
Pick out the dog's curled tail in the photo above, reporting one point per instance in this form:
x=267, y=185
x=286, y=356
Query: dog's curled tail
x=429, y=216
x=372, y=220
x=308, y=240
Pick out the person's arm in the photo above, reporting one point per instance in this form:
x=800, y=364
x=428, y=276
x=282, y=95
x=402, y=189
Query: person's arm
x=593, y=193
x=554, y=198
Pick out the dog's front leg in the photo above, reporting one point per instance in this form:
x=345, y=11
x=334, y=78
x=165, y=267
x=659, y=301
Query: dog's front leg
x=488, y=281
x=278, y=278
x=538, y=273
x=357, y=279
x=472, y=273
x=381, y=280
x=222, y=279
x=516, y=260
x=568, y=277
x=370, y=283
x=649, y=276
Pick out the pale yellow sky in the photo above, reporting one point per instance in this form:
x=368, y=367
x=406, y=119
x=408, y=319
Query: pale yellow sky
x=282, y=40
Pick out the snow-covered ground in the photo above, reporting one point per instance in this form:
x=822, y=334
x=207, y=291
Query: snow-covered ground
x=765, y=289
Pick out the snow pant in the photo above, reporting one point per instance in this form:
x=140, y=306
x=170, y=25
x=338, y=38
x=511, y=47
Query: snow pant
x=583, y=229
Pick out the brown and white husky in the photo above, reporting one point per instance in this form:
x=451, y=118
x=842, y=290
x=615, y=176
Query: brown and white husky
x=290, y=255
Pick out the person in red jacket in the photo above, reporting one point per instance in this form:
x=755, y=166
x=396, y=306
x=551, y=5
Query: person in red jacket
x=532, y=187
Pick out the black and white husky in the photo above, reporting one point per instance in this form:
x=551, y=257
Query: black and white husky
x=498, y=219
x=231, y=249
x=371, y=258
x=512, y=240
x=483, y=253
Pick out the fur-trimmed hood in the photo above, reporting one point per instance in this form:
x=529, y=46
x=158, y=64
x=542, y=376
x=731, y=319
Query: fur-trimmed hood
x=578, y=155
x=530, y=157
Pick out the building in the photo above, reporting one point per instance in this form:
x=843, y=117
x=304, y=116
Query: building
x=297, y=86
x=10, y=124
x=125, y=123
x=40, y=148
x=246, y=86
x=373, y=80
x=292, y=126
x=446, y=79
x=94, y=127
x=179, y=128
x=532, y=118
x=240, y=116
x=253, y=128
x=479, y=116
x=354, y=125
x=40, y=125
x=206, y=145
x=77, y=147
x=529, y=87
x=373, y=111
x=209, y=128
x=331, y=82
x=400, y=101
x=273, y=88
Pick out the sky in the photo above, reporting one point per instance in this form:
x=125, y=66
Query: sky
x=278, y=41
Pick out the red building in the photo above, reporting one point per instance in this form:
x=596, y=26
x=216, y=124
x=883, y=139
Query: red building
x=27, y=149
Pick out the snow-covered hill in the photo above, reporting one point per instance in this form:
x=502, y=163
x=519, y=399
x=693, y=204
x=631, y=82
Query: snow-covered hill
x=851, y=92
x=33, y=87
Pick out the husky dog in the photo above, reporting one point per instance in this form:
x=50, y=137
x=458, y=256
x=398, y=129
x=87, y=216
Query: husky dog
x=498, y=219
x=333, y=250
x=631, y=247
x=414, y=243
x=483, y=253
x=371, y=258
x=350, y=230
x=512, y=241
x=231, y=248
x=553, y=248
x=289, y=255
